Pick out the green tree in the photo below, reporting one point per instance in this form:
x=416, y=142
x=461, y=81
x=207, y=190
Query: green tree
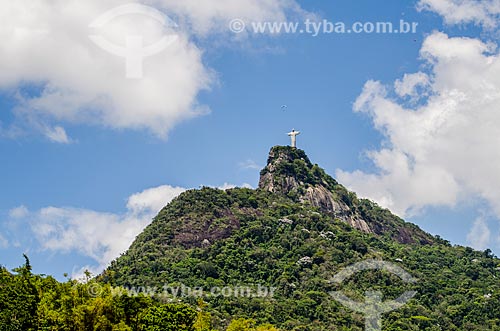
x=241, y=324
x=18, y=299
x=169, y=317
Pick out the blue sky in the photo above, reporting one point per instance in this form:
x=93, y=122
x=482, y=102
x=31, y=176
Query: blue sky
x=78, y=171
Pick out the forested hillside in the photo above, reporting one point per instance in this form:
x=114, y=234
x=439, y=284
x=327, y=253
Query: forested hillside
x=264, y=259
x=294, y=233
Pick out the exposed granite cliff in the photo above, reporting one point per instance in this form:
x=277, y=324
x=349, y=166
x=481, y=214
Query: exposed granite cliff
x=290, y=172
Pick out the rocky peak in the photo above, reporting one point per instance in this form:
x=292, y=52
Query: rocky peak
x=290, y=172
x=287, y=169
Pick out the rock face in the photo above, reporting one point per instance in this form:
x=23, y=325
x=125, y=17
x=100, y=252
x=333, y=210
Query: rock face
x=271, y=178
x=290, y=172
x=320, y=196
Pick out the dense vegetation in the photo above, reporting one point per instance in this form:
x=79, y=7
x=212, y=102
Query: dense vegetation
x=458, y=288
x=257, y=239
x=212, y=238
x=31, y=302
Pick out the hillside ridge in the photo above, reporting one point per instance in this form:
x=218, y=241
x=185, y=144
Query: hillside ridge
x=294, y=233
x=290, y=172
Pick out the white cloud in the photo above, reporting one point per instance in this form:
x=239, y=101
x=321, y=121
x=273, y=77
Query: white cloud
x=483, y=12
x=18, y=212
x=250, y=164
x=71, y=80
x=443, y=149
x=479, y=235
x=101, y=236
x=82, y=83
x=153, y=199
x=4, y=243
x=213, y=16
x=227, y=186
x=57, y=134
x=408, y=86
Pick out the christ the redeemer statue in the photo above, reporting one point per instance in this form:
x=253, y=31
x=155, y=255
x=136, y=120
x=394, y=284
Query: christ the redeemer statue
x=294, y=135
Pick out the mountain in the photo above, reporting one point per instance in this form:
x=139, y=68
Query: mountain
x=290, y=172
x=291, y=236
